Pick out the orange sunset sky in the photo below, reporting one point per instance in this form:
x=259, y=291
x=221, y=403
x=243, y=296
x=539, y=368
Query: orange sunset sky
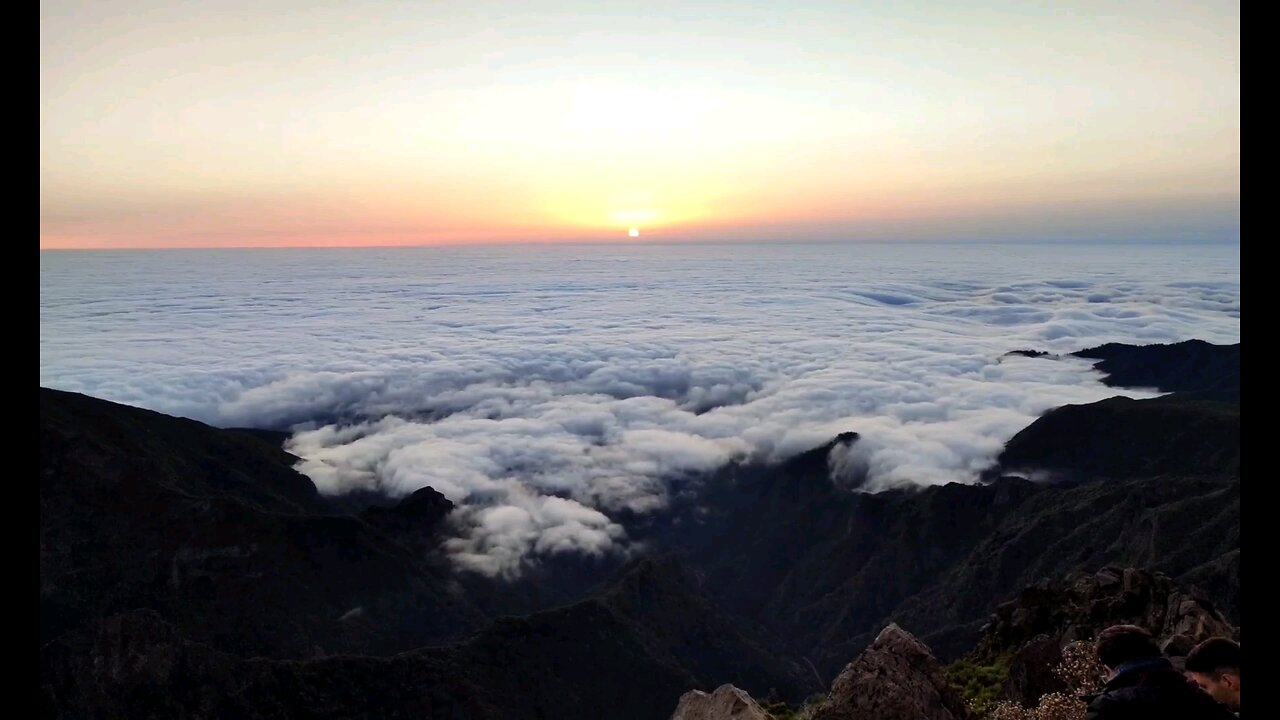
x=292, y=123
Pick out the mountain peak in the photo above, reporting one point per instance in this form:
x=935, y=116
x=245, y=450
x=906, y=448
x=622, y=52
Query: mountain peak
x=896, y=678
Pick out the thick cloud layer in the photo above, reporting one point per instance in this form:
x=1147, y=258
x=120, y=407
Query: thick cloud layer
x=547, y=390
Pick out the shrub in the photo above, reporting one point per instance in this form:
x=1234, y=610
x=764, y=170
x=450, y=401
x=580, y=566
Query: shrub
x=979, y=685
x=1083, y=673
x=782, y=711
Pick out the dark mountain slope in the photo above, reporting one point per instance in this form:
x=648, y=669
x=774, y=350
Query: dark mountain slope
x=86, y=441
x=825, y=569
x=1189, y=366
x=628, y=653
x=668, y=609
x=171, y=552
x=1186, y=527
x=1155, y=483
x=215, y=531
x=1121, y=437
x=1195, y=430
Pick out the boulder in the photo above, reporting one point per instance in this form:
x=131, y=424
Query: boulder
x=726, y=703
x=896, y=678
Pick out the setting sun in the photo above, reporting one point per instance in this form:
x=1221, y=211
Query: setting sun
x=634, y=232
x=838, y=129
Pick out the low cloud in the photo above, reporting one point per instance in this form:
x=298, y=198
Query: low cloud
x=565, y=393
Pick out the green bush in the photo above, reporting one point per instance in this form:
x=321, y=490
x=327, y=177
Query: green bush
x=782, y=711
x=979, y=685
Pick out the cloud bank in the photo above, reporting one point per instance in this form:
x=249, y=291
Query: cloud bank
x=550, y=392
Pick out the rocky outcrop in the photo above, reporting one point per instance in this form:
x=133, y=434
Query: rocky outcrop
x=726, y=703
x=1078, y=606
x=1033, y=628
x=896, y=678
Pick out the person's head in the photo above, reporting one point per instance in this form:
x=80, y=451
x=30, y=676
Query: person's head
x=1120, y=644
x=1215, y=666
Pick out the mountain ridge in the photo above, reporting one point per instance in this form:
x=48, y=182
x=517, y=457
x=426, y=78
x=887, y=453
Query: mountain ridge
x=169, y=544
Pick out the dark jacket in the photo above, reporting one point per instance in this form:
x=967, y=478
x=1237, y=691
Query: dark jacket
x=1153, y=689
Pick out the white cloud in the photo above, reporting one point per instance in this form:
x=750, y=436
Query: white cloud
x=500, y=538
x=547, y=390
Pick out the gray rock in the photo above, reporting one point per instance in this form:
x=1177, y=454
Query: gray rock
x=896, y=678
x=1177, y=646
x=726, y=703
x=1108, y=577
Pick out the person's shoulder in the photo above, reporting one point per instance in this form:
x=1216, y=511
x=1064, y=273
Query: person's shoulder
x=1170, y=701
x=1211, y=709
x=1102, y=705
x=1198, y=704
x=1193, y=697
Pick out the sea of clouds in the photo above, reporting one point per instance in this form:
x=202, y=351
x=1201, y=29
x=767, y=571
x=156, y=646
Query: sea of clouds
x=546, y=390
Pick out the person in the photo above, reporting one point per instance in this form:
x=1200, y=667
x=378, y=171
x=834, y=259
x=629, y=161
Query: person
x=1214, y=665
x=1145, y=686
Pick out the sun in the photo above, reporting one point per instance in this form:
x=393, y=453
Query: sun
x=634, y=232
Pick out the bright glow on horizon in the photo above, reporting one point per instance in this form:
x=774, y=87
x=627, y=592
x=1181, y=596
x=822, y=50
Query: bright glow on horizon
x=289, y=122
x=634, y=232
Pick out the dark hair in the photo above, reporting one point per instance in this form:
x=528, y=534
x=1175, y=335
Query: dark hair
x=1214, y=656
x=1120, y=644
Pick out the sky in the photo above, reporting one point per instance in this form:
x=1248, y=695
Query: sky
x=287, y=123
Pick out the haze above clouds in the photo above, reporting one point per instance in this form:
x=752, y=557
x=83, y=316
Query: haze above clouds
x=546, y=391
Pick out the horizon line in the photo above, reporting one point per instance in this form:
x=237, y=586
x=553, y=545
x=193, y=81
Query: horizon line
x=668, y=242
